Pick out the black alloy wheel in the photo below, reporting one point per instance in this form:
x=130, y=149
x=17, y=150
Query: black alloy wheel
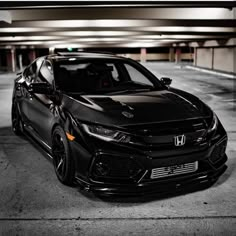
x=62, y=160
x=17, y=125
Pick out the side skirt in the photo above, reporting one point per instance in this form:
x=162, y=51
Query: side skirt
x=37, y=141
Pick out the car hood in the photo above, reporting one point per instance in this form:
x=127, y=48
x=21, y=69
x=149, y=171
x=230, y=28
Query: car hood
x=135, y=108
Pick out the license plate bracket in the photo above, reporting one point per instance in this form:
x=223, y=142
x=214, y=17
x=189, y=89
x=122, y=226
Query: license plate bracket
x=179, y=169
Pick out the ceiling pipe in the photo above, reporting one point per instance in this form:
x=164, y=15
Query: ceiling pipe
x=120, y=4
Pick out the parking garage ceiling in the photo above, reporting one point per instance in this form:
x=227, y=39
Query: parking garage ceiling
x=84, y=24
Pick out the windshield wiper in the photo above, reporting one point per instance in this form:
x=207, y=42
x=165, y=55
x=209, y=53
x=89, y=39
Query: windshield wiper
x=76, y=93
x=128, y=91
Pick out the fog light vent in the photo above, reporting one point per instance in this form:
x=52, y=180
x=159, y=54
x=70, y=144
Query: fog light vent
x=218, y=152
x=101, y=169
x=115, y=167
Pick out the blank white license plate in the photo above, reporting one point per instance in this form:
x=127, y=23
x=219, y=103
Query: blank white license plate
x=174, y=170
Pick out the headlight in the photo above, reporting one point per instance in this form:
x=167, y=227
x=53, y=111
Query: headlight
x=214, y=124
x=106, y=134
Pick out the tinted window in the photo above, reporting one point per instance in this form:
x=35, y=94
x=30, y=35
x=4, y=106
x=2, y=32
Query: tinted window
x=100, y=76
x=46, y=72
x=30, y=72
x=137, y=76
x=114, y=72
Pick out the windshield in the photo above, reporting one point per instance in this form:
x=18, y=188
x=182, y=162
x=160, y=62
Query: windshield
x=100, y=76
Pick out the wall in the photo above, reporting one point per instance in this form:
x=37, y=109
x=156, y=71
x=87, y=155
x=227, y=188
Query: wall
x=134, y=56
x=216, y=58
x=156, y=56
x=204, y=57
x=224, y=59
x=186, y=56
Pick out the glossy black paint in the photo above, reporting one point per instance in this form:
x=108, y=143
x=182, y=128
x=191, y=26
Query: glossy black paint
x=157, y=116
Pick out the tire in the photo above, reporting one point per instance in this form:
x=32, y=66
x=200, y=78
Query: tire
x=17, y=124
x=62, y=160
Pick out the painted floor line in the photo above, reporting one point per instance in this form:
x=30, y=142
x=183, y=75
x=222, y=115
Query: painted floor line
x=229, y=100
x=211, y=72
x=119, y=218
x=214, y=96
x=198, y=90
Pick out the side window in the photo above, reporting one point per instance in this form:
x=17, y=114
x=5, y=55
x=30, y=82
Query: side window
x=137, y=76
x=30, y=72
x=45, y=73
x=115, y=74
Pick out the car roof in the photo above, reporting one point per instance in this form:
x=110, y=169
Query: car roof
x=90, y=55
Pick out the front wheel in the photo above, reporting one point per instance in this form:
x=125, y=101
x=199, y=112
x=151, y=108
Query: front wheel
x=17, y=125
x=62, y=160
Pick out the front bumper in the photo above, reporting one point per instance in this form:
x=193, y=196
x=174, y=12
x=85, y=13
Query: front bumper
x=155, y=187
x=130, y=169
x=209, y=170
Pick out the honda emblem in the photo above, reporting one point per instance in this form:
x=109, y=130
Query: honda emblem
x=179, y=140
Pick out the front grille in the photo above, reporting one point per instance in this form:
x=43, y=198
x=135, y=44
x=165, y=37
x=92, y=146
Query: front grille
x=160, y=136
x=169, y=171
x=168, y=128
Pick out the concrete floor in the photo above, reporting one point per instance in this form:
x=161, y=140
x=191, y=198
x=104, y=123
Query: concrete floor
x=33, y=202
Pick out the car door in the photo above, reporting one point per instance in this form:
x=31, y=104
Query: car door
x=24, y=97
x=40, y=107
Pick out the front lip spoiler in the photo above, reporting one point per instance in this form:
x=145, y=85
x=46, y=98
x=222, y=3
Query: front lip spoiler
x=153, y=188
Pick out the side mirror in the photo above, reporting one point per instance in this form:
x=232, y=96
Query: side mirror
x=41, y=88
x=166, y=81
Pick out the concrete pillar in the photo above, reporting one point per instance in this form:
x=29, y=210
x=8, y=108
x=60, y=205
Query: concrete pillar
x=32, y=55
x=171, y=54
x=234, y=65
x=212, y=59
x=51, y=50
x=20, y=62
x=195, y=57
x=11, y=59
x=178, y=55
x=143, y=55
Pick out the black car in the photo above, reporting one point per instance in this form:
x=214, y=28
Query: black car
x=111, y=126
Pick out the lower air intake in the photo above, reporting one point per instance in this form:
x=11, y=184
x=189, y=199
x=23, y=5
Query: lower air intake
x=169, y=171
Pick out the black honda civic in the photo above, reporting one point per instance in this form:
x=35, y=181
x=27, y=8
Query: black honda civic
x=112, y=127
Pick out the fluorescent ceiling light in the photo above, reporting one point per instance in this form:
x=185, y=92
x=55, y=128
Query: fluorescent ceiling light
x=175, y=36
x=22, y=29
x=81, y=23
x=70, y=45
x=186, y=29
x=111, y=23
x=98, y=39
x=137, y=29
x=146, y=44
x=94, y=33
x=21, y=38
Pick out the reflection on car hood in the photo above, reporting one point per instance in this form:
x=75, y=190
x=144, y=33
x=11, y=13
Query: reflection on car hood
x=138, y=108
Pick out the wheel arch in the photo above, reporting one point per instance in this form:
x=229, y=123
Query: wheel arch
x=69, y=175
x=63, y=124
